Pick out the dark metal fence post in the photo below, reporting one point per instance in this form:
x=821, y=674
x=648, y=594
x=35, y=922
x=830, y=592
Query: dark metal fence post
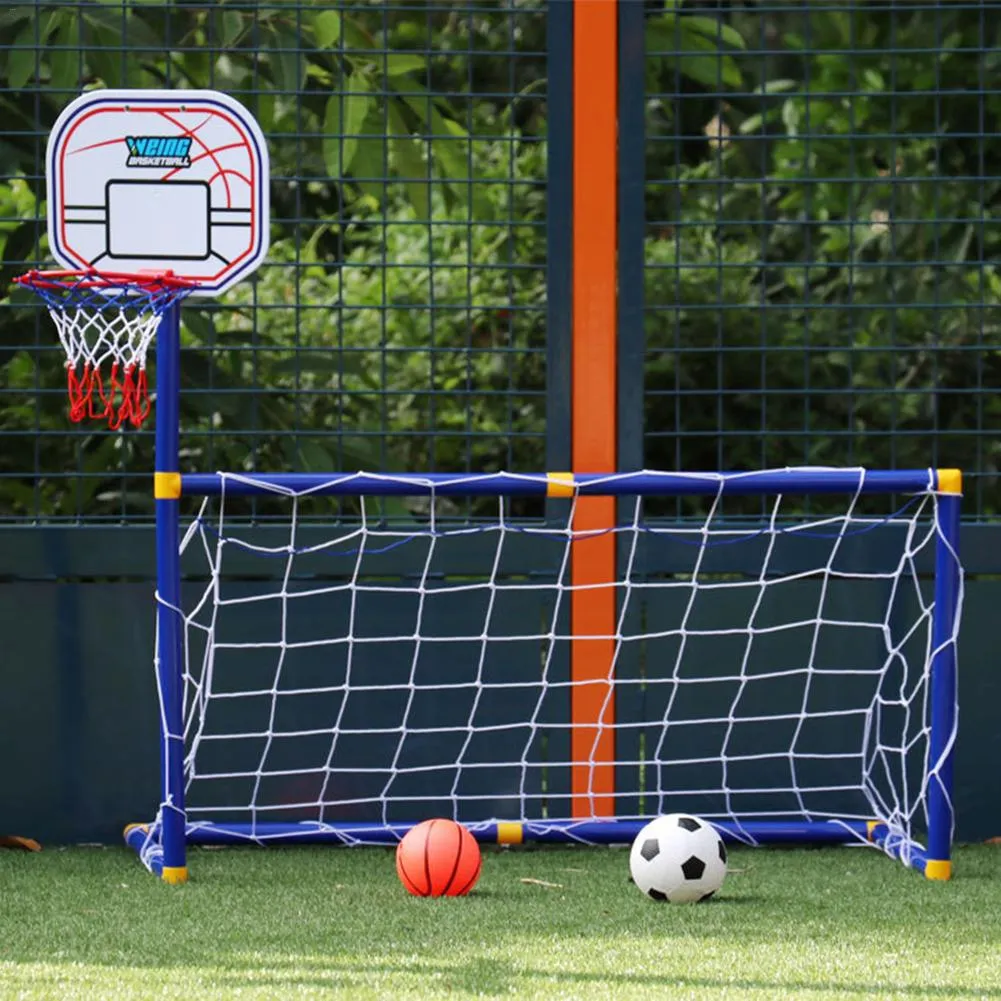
x=632, y=142
x=559, y=232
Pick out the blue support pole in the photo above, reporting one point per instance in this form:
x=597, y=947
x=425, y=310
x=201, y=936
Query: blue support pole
x=167, y=491
x=788, y=481
x=603, y=832
x=944, y=706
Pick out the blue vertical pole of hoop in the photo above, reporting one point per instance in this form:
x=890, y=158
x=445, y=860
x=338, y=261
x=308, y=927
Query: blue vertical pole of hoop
x=944, y=705
x=168, y=584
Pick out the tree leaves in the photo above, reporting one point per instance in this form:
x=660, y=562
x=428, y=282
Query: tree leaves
x=715, y=29
x=409, y=163
x=64, y=58
x=110, y=39
x=18, y=248
x=288, y=62
x=449, y=144
x=696, y=46
x=233, y=26
x=327, y=28
x=342, y=124
x=401, y=63
x=371, y=160
x=23, y=57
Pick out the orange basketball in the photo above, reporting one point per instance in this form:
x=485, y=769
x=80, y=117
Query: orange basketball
x=438, y=858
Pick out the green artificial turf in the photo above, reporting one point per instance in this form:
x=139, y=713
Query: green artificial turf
x=327, y=922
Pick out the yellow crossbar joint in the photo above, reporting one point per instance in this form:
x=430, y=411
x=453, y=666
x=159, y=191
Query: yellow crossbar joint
x=166, y=486
x=559, y=485
x=950, y=481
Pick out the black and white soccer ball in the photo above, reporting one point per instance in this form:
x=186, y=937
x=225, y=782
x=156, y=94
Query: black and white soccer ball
x=679, y=858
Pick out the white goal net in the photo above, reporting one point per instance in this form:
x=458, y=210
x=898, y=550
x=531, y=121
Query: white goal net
x=770, y=665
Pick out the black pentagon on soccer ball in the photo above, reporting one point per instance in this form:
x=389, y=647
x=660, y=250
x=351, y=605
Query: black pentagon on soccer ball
x=657, y=895
x=722, y=852
x=693, y=868
x=689, y=823
x=650, y=849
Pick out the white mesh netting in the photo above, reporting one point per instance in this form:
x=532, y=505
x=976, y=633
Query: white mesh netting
x=766, y=668
x=95, y=339
x=106, y=323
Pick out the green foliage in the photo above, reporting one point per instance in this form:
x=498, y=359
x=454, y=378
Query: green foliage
x=820, y=258
x=820, y=283
x=399, y=322
x=423, y=347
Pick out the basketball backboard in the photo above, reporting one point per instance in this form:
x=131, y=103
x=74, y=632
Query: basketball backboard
x=156, y=180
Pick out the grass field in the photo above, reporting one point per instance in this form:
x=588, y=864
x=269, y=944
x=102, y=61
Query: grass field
x=335, y=923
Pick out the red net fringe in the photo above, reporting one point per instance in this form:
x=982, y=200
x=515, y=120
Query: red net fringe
x=125, y=399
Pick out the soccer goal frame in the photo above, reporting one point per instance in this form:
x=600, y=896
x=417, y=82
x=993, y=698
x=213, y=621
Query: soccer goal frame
x=162, y=845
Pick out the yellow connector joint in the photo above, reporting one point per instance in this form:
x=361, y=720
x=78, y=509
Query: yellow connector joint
x=175, y=874
x=559, y=485
x=166, y=486
x=950, y=481
x=938, y=869
x=510, y=833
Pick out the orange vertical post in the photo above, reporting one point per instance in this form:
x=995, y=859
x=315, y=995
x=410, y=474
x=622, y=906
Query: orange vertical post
x=593, y=602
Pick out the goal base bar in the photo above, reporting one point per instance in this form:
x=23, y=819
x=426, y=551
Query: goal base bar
x=141, y=838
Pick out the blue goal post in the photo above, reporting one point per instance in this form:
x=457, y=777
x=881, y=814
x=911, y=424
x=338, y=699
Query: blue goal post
x=905, y=714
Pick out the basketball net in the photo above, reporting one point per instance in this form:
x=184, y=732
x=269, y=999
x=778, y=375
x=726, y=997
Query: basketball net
x=106, y=323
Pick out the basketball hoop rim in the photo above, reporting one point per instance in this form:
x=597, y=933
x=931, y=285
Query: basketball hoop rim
x=92, y=278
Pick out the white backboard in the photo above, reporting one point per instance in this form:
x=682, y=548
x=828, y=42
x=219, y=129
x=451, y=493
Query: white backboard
x=156, y=180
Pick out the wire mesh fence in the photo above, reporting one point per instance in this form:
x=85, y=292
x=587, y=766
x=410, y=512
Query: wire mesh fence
x=399, y=320
x=822, y=180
